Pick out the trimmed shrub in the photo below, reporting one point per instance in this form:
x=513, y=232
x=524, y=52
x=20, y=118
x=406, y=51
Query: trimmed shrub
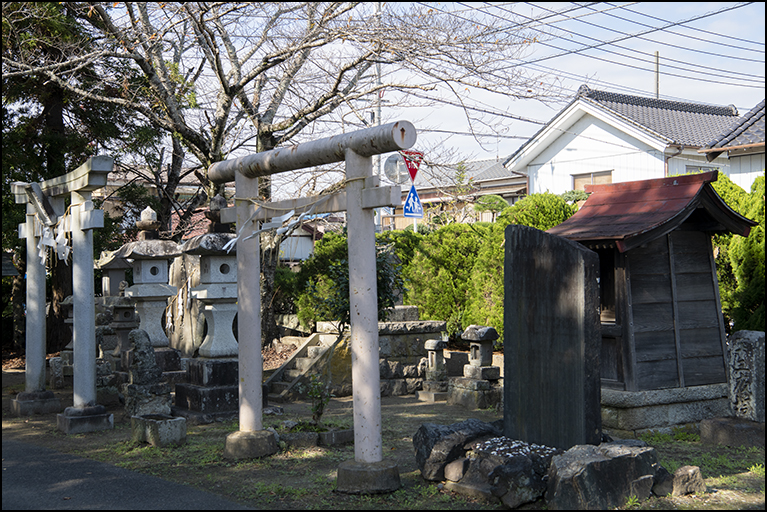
x=485, y=302
x=439, y=276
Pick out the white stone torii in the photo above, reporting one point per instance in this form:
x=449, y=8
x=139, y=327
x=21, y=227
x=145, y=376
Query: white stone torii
x=78, y=185
x=362, y=194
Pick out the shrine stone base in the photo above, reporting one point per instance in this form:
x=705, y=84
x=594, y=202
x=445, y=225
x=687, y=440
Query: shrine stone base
x=250, y=445
x=475, y=393
x=433, y=391
x=39, y=402
x=367, y=477
x=626, y=414
x=212, y=393
x=88, y=419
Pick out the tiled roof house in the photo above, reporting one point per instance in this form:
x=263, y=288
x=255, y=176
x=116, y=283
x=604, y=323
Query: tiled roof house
x=743, y=143
x=605, y=137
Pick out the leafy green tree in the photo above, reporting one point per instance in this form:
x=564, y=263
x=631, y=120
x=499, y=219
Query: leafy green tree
x=48, y=130
x=324, y=282
x=747, y=258
x=485, y=301
x=735, y=197
x=439, y=276
x=491, y=203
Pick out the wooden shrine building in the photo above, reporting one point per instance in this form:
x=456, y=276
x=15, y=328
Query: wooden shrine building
x=661, y=318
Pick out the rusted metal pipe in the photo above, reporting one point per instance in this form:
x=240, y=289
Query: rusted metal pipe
x=368, y=142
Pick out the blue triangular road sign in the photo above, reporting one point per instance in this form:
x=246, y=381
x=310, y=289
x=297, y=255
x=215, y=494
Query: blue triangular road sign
x=413, y=206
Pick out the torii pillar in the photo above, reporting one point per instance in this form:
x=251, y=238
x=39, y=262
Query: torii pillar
x=368, y=472
x=46, y=201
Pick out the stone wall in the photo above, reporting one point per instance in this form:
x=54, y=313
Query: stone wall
x=402, y=359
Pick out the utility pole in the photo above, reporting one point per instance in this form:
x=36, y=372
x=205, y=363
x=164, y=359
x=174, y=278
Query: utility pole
x=657, y=75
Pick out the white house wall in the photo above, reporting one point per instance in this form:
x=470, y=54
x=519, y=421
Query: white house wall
x=745, y=169
x=296, y=248
x=591, y=145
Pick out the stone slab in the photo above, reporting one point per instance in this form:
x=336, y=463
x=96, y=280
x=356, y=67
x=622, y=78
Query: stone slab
x=250, y=444
x=336, y=437
x=367, y=477
x=664, y=415
x=732, y=432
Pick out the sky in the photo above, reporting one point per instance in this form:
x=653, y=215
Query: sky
x=717, y=59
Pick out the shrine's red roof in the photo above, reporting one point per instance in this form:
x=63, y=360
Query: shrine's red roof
x=633, y=213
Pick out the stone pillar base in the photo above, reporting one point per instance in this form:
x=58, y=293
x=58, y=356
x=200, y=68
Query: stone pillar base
x=367, y=477
x=431, y=396
x=88, y=419
x=158, y=430
x=250, y=444
x=37, y=402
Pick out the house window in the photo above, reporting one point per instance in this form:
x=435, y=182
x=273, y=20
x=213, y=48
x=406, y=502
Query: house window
x=591, y=178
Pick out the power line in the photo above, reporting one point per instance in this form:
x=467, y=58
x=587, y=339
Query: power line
x=649, y=54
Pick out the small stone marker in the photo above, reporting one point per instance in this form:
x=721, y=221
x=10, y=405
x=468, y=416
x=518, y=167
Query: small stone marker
x=747, y=375
x=551, y=340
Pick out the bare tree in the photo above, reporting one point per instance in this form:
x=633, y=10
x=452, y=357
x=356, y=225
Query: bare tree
x=228, y=77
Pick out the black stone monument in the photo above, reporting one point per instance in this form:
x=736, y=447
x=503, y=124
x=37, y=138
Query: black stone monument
x=551, y=340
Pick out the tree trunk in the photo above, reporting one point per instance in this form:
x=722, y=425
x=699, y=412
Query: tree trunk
x=18, y=298
x=58, y=334
x=270, y=252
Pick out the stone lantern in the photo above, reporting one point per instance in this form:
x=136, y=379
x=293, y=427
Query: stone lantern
x=217, y=290
x=480, y=387
x=212, y=390
x=150, y=288
x=435, y=384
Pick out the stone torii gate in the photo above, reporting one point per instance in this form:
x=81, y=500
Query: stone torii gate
x=45, y=209
x=368, y=472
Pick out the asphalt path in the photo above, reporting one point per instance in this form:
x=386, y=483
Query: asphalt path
x=36, y=478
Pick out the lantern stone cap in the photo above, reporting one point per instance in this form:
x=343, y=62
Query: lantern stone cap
x=149, y=250
x=108, y=260
x=209, y=244
x=479, y=333
x=435, y=345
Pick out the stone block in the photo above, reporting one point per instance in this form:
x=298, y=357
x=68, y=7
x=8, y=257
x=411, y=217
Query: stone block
x=207, y=399
x=300, y=439
x=732, y=432
x=746, y=382
x=336, y=437
x=142, y=399
x=552, y=340
x=82, y=420
x=481, y=372
x=663, y=482
x=37, y=402
x=437, y=445
x=688, y=480
x=367, y=477
x=250, y=444
x=57, y=374
x=516, y=482
x=598, y=477
x=431, y=396
x=159, y=430
x=213, y=372
x=455, y=470
x=642, y=487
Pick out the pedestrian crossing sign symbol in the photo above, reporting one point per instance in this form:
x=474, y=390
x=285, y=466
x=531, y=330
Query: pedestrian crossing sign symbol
x=413, y=206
